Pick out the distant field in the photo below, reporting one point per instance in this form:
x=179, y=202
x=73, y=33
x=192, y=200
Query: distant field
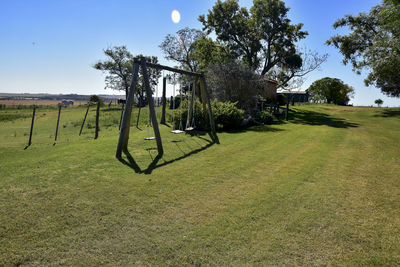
x=320, y=190
x=25, y=102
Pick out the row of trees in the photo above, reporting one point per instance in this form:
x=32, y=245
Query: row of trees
x=255, y=43
x=238, y=47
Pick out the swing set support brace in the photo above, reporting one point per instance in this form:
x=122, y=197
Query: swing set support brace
x=125, y=126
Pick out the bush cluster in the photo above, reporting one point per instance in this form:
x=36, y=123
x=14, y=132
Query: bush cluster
x=264, y=117
x=227, y=115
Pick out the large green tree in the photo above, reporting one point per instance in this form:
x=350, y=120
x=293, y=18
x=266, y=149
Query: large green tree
x=263, y=37
x=181, y=47
x=208, y=52
x=118, y=67
x=373, y=44
x=330, y=90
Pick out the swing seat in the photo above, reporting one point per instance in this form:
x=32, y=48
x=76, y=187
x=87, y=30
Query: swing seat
x=149, y=138
x=177, y=131
x=189, y=129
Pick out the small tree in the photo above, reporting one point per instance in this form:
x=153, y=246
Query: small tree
x=180, y=47
x=330, y=90
x=96, y=98
x=379, y=102
x=119, y=66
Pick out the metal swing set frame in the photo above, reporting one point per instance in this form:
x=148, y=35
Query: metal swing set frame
x=125, y=126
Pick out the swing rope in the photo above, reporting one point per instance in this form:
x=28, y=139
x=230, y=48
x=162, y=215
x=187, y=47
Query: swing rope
x=148, y=137
x=179, y=130
x=173, y=107
x=191, y=126
x=180, y=108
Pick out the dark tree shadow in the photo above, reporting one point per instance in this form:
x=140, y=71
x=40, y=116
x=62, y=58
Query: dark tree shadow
x=388, y=113
x=166, y=124
x=257, y=128
x=317, y=118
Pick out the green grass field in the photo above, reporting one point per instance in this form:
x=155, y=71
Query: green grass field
x=321, y=189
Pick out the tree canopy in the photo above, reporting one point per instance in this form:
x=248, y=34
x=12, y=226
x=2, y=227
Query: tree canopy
x=379, y=102
x=373, y=44
x=96, y=98
x=330, y=90
x=208, y=52
x=263, y=38
x=180, y=47
x=119, y=66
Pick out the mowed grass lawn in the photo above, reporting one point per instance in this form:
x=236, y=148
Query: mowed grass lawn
x=322, y=189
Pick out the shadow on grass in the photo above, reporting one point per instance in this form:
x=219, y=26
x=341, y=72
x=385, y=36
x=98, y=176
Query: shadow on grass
x=155, y=161
x=258, y=128
x=317, y=118
x=388, y=113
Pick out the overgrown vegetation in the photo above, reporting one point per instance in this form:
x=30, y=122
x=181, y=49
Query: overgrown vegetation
x=227, y=116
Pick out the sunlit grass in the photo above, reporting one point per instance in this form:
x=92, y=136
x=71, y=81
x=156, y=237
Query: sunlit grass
x=322, y=189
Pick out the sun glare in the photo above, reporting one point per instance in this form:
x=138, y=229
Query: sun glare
x=175, y=16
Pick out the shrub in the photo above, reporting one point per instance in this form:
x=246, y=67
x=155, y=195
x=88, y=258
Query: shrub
x=198, y=115
x=281, y=100
x=264, y=117
x=226, y=115
x=96, y=98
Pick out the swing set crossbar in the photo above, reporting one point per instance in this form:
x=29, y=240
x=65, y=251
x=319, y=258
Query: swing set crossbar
x=163, y=67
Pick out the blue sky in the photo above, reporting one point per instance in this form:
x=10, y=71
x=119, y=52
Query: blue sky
x=50, y=46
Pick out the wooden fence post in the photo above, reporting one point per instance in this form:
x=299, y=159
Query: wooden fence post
x=33, y=120
x=84, y=119
x=58, y=120
x=96, y=135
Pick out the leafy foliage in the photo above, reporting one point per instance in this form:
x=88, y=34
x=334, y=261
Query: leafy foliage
x=208, y=52
x=119, y=68
x=96, y=98
x=330, y=90
x=180, y=48
x=227, y=115
x=264, y=117
x=373, y=44
x=379, y=102
x=262, y=37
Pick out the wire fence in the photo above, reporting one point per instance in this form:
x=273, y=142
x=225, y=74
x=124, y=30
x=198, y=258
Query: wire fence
x=15, y=123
